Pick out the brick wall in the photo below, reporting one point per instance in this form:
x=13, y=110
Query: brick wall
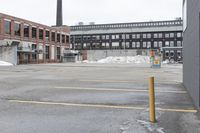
x=63, y=29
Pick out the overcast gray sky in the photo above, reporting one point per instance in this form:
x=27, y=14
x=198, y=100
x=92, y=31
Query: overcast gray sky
x=98, y=11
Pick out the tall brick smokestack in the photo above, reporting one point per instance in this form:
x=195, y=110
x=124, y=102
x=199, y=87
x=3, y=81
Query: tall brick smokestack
x=59, y=17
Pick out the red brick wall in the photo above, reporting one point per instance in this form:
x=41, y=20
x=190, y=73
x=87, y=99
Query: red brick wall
x=61, y=29
x=0, y=29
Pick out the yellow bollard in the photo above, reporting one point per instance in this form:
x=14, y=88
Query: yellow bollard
x=152, y=100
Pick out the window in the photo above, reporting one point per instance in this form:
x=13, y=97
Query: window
x=95, y=45
x=115, y=45
x=17, y=29
x=93, y=37
x=58, y=53
x=78, y=46
x=155, y=44
x=123, y=36
x=7, y=27
x=127, y=36
x=105, y=45
x=179, y=34
x=34, y=46
x=171, y=35
x=97, y=37
x=127, y=44
x=138, y=44
x=47, y=36
x=115, y=37
x=167, y=44
x=41, y=35
x=103, y=37
x=34, y=55
x=133, y=36
x=144, y=35
x=26, y=30
x=63, y=38
x=88, y=37
x=160, y=43
x=67, y=39
x=179, y=44
x=86, y=46
x=160, y=35
x=58, y=37
x=133, y=44
x=79, y=38
x=148, y=44
x=47, y=52
x=34, y=32
x=149, y=35
x=138, y=36
x=171, y=43
x=123, y=45
x=53, y=36
x=166, y=35
x=144, y=44
x=155, y=35
x=107, y=37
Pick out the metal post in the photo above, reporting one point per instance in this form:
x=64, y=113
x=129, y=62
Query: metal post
x=151, y=100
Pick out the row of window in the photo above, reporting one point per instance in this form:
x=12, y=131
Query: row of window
x=138, y=44
x=26, y=28
x=47, y=54
x=145, y=24
x=129, y=36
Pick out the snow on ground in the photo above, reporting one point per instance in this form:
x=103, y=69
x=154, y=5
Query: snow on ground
x=3, y=63
x=128, y=59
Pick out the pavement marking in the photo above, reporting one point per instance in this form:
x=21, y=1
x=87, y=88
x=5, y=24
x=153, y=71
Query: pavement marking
x=107, y=81
x=103, y=106
x=78, y=105
x=128, y=81
x=178, y=110
x=122, y=90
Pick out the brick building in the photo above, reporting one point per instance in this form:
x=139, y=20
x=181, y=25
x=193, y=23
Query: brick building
x=23, y=41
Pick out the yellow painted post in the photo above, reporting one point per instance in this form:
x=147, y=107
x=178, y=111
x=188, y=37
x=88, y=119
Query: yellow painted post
x=151, y=100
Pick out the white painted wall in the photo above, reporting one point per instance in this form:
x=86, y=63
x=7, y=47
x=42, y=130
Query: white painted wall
x=41, y=48
x=52, y=52
x=9, y=54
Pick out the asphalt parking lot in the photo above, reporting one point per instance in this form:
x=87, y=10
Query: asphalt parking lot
x=93, y=98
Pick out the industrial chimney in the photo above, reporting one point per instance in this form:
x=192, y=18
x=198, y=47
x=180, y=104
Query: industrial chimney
x=59, y=18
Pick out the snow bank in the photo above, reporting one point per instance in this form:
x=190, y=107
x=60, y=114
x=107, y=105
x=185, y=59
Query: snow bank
x=129, y=59
x=3, y=63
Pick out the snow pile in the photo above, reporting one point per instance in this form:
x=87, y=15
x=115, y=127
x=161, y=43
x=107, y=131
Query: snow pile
x=3, y=63
x=128, y=59
x=165, y=62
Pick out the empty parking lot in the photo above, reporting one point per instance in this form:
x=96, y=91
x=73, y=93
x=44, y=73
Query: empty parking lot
x=93, y=98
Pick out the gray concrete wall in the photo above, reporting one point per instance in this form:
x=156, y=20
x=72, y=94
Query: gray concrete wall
x=191, y=49
x=9, y=54
x=94, y=55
